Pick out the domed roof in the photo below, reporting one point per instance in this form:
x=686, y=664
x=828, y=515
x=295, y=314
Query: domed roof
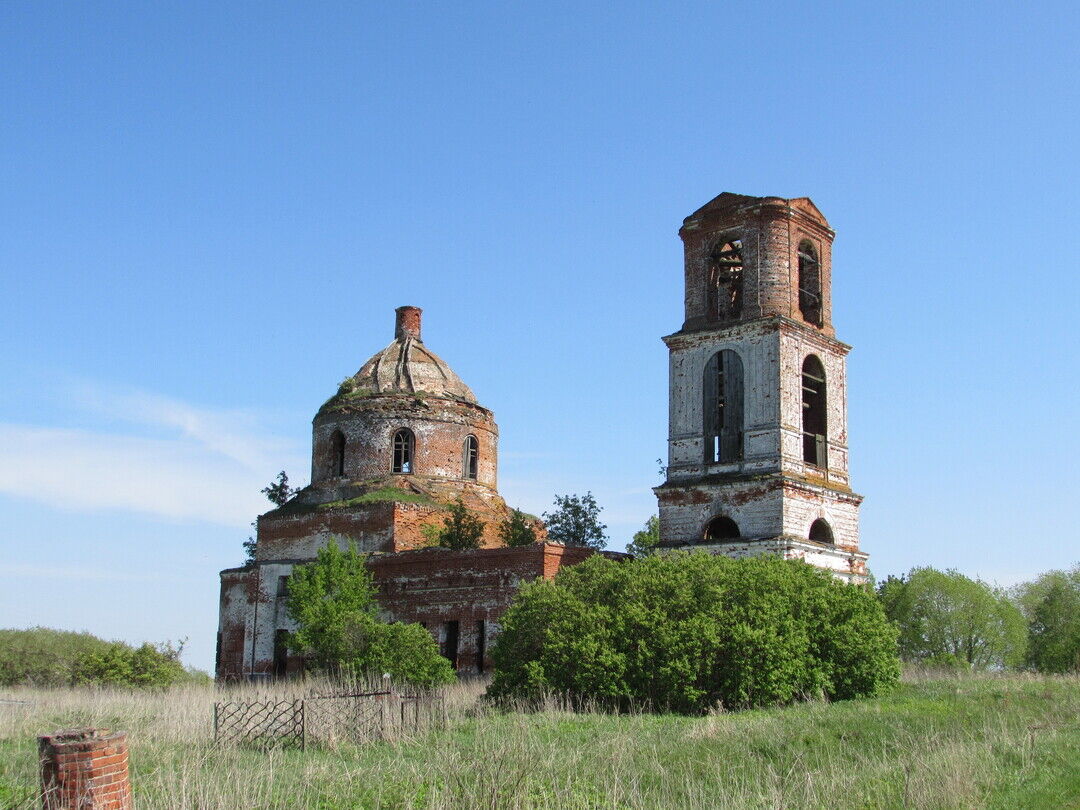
x=406, y=366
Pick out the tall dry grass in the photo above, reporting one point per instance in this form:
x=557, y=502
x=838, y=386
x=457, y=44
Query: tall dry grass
x=953, y=742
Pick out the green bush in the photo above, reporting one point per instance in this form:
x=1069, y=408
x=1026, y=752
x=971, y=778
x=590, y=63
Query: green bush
x=947, y=619
x=147, y=667
x=405, y=652
x=686, y=632
x=332, y=600
x=44, y=657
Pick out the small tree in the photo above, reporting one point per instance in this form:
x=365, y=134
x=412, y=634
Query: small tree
x=279, y=491
x=645, y=541
x=946, y=617
x=332, y=600
x=462, y=529
x=516, y=530
x=1051, y=605
x=327, y=596
x=575, y=521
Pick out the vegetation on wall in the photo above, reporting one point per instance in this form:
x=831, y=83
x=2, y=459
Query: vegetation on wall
x=461, y=529
x=575, y=521
x=332, y=600
x=517, y=530
x=688, y=632
x=278, y=491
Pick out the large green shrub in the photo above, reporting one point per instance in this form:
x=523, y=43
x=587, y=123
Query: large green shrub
x=44, y=657
x=41, y=656
x=332, y=600
x=147, y=667
x=686, y=632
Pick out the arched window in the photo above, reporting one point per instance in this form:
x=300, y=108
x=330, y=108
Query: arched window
x=814, y=418
x=821, y=532
x=722, y=528
x=725, y=280
x=723, y=407
x=471, y=457
x=337, y=454
x=809, y=283
x=403, y=451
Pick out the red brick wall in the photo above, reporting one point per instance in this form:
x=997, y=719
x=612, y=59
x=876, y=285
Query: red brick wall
x=440, y=427
x=436, y=586
x=296, y=534
x=771, y=229
x=84, y=769
x=238, y=595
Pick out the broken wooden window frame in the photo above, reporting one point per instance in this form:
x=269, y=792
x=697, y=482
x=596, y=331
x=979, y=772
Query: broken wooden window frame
x=471, y=458
x=815, y=418
x=404, y=445
x=810, y=303
x=722, y=407
x=725, y=278
x=337, y=454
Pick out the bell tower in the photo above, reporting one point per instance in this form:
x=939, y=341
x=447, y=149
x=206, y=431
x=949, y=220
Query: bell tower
x=757, y=424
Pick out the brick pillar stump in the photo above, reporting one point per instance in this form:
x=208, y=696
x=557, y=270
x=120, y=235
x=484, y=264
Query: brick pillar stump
x=84, y=769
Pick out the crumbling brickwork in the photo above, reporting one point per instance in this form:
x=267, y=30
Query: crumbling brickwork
x=84, y=769
x=439, y=588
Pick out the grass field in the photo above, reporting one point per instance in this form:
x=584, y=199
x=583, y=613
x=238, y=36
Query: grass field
x=937, y=742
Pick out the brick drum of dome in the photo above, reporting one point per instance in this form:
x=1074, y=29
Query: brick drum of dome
x=84, y=769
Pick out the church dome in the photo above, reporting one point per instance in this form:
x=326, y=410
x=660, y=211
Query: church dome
x=405, y=414
x=406, y=366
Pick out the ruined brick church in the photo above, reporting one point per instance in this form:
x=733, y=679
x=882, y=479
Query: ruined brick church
x=757, y=451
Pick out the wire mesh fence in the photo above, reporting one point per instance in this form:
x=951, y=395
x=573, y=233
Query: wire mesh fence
x=326, y=719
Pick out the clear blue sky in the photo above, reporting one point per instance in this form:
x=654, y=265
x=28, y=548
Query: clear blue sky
x=210, y=211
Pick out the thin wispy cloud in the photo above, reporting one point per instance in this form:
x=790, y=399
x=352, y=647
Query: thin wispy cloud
x=196, y=464
x=233, y=433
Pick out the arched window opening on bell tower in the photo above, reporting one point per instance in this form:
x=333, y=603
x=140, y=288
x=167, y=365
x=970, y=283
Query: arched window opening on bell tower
x=337, y=454
x=722, y=528
x=723, y=407
x=725, y=280
x=814, y=418
x=809, y=283
x=821, y=532
x=403, y=451
x=471, y=457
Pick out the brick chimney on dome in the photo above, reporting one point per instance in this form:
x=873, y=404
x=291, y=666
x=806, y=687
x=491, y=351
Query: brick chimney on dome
x=408, y=323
